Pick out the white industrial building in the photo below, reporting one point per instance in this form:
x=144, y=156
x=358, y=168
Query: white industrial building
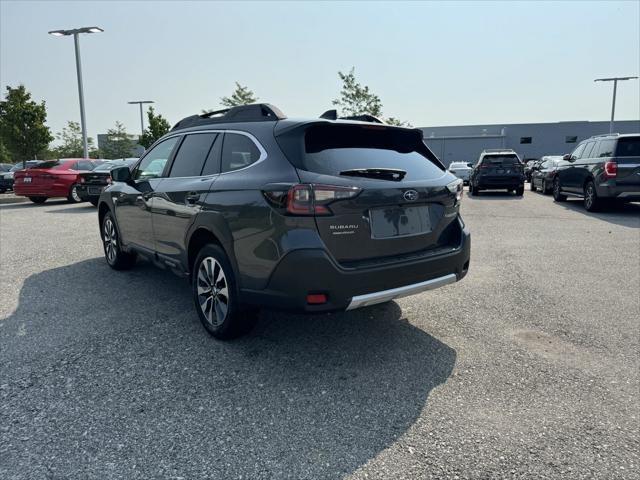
x=531, y=140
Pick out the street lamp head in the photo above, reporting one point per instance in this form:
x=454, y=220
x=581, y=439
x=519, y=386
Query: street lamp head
x=614, y=79
x=64, y=33
x=140, y=101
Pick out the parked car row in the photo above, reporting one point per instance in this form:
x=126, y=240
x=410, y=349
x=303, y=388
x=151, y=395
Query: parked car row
x=8, y=171
x=77, y=179
x=602, y=170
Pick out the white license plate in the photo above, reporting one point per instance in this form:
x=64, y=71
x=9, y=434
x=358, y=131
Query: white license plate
x=26, y=180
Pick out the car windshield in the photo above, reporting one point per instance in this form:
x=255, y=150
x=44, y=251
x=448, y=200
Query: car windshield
x=628, y=147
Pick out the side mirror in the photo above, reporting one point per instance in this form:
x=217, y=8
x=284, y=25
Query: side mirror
x=121, y=174
x=566, y=157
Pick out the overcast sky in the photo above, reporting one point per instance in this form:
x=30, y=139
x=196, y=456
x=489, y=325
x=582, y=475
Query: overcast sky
x=430, y=63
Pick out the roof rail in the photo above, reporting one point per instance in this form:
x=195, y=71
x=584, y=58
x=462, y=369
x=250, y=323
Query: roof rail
x=255, y=112
x=606, y=135
x=489, y=150
x=333, y=115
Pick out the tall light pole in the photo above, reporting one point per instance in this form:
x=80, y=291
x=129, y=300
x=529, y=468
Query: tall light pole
x=76, y=33
x=615, y=88
x=141, y=102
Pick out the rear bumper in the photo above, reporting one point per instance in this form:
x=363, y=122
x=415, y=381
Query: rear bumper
x=313, y=271
x=500, y=182
x=630, y=192
x=89, y=192
x=41, y=191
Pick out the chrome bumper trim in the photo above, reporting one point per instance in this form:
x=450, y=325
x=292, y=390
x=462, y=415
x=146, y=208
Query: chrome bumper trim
x=387, y=295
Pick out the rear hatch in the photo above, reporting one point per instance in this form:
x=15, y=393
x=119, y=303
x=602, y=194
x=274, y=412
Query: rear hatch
x=392, y=196
x=627, y=156
x=501, y=167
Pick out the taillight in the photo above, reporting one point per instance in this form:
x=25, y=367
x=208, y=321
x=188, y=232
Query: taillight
x=309, y=199
x=456, y=187
x=610, y=169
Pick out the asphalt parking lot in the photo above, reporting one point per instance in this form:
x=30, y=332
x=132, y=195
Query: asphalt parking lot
x=528, y=368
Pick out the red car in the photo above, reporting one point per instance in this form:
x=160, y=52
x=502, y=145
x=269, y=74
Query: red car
x=54, y=178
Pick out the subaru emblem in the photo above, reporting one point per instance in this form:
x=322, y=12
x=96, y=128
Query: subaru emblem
x=410, y=195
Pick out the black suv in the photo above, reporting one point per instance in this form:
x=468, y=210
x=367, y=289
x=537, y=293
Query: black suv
x=497, y=169
x=601, y=169
x=311, y=215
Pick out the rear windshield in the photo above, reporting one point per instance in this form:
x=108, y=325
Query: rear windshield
x=49, y=164
x=335, y=149
x=628, y=147
x=501, y=160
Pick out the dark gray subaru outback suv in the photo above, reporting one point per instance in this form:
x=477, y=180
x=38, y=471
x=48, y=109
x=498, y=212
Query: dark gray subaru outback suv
x=263, y=211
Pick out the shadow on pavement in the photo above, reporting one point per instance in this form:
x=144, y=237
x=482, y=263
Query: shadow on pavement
x=494, y=195
x=626, y=215
x=29, y=204
x=109, y=374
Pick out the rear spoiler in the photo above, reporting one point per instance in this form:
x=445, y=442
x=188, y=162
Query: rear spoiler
x=333, y=115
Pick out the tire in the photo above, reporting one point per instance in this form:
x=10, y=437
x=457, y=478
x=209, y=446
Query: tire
x=215, y=295
x=520, y=191
x=591, y=201
x=38, y=199
x=73, y=196
x=2, y=190
x=532, y=187
x=94, y=201
x=557, y=195
x=117, y=258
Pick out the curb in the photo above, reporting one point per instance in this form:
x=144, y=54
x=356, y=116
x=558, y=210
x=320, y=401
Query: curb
x=11, y=199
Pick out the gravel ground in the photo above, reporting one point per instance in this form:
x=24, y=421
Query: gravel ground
x=528, y=368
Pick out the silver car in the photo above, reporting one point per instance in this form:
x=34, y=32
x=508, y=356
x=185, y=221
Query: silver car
x=461, y=170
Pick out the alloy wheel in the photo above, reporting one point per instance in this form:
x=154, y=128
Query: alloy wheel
x=110, y=240
x=213, y=291
x=74, y=194
x=589, y=196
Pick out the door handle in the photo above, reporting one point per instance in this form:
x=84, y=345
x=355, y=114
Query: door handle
x=192, y=197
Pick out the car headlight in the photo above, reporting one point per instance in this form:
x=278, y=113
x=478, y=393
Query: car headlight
x=456, y=188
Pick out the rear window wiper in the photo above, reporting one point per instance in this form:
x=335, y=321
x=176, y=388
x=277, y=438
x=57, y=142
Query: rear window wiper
x=392, y=174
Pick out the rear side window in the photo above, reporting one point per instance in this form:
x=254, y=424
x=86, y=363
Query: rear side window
x=604, y=149
x=336, y=149
x=586, y=153
x=628, y=147
x=501, y=160
x=192, y=154
x=238, y=151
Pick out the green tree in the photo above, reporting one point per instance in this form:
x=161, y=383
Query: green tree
x=240, y=96
x=5, y=156
x=158, y=126
x=22, y=124
x=119, y=144
x=357, y=99
x=71, y=142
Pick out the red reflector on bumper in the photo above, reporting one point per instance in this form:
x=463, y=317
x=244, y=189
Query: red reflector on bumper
x=316, y=298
